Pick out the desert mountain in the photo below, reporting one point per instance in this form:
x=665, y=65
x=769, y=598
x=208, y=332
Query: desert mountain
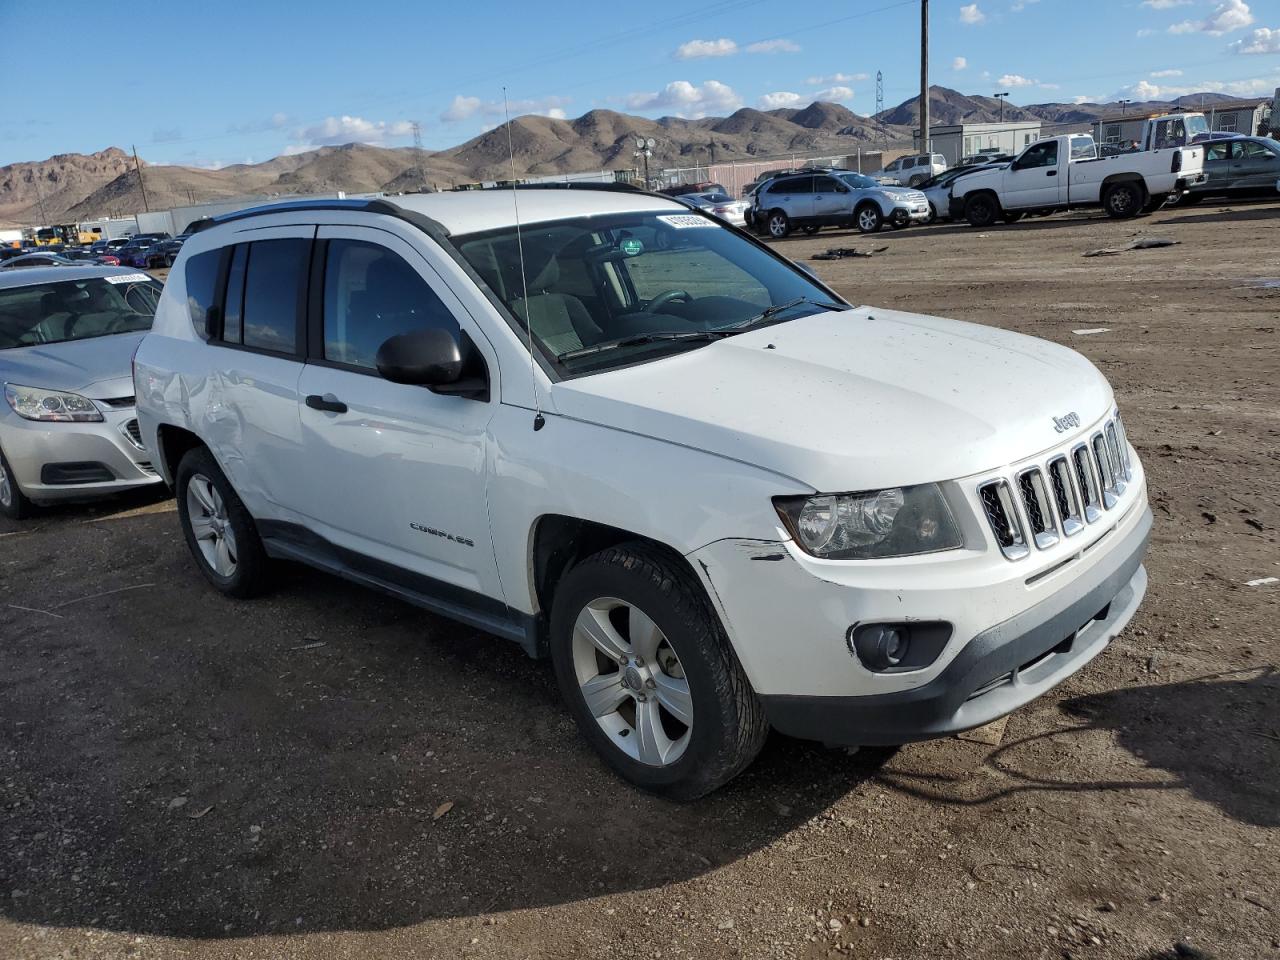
x=80, y=186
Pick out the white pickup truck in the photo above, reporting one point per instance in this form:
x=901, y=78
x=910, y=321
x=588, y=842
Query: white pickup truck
x=1063, y=173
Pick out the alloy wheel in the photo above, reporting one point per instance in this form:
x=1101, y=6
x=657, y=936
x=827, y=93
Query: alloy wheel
x=867, y=220
x=632, y=681
x=211, y=526
x=6, y=486
x=777, y=226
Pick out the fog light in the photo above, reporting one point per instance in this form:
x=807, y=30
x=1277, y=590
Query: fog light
x=891, y=647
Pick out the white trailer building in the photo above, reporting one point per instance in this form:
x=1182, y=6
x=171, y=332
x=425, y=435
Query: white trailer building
x=966, y=139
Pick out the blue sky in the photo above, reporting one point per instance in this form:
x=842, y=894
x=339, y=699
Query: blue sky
x=212, y=84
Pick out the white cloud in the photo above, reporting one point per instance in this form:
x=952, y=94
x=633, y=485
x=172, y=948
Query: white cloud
x=779, y=99
x=1050, y=86
x=971, y=14
x=345, y=129
x=464, y=108
x=959, y=63
x=1019, y=5
x=1015, y=80
x=1262, y=40
x=837, y=78
x=1227, y=16
x=1084, y=98
x=688, y=99
x=773, y=46
x=695, y=49
x=294, y=149
x=1161, y=74
x=834, y=94
x=1165, y=4
x=1145, y=90
x=1144, y=32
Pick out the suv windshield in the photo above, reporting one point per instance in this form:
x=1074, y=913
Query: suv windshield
x=609, y=290
x=65, y=310
x=859, y=181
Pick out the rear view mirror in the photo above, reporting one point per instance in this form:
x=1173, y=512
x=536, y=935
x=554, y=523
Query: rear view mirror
x=435, y=359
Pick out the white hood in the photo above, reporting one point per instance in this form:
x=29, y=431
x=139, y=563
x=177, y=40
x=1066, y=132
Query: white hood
x=853, y=400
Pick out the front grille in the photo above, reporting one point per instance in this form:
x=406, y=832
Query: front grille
x=131, y=430
x=1061, y=497
x=997, y=501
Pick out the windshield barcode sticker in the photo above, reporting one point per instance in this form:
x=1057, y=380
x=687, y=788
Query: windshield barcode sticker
x=682, y=220
x=128, y=278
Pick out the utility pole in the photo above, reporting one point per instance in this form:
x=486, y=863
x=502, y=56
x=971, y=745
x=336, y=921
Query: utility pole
x=1001, y=97
x=417, y=150
x=142, y=186
x=924, y=76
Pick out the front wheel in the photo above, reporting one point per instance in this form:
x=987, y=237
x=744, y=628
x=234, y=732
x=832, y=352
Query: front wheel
x=219, y=531
x=778, y=224
x=13, y=502
x=933, y=213
x=982, y=210
x=649, y=676
x=868, y=218
x=1122, y=200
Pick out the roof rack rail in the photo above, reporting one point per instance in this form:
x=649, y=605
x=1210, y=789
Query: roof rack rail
x=616, y=186
x=284, y=206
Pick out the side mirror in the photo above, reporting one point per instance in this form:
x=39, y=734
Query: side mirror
x=435, y=359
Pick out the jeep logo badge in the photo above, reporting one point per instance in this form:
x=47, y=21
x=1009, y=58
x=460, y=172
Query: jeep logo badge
x=1065, y=423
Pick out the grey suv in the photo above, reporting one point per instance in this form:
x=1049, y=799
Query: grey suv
x=838, y=198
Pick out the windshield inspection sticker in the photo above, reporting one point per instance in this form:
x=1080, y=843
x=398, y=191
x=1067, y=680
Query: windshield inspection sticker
x=128, y=278
x=682, y=220
x=631, y=247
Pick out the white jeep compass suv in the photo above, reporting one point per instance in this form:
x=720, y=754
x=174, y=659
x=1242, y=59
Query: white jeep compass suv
x=718, y=497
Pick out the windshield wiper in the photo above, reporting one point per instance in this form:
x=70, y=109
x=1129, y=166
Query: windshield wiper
x=777, y=308
x=642, y=338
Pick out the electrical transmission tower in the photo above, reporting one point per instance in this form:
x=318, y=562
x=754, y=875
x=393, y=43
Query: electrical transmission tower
x=880, y=98
x=418, y=157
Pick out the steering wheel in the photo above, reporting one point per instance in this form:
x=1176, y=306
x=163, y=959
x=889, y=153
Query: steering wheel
x=662, y=299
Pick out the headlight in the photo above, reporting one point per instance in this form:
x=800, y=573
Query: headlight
x=32, y=403
x=896, y=522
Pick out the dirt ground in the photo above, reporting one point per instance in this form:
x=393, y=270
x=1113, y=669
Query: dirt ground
x=189, y=776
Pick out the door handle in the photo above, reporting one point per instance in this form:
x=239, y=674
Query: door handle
x=1051, y=173
x=317, y=402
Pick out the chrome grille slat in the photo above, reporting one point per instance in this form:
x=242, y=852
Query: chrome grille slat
x=1046, y=502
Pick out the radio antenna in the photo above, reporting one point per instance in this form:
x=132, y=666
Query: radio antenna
x=538, y=420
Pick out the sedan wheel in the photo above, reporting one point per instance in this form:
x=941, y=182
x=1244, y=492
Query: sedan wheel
x=211, y=525
x=779, y=224
x=13, y=504
x=632, y=681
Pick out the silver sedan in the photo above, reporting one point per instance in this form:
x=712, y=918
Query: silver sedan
x=721, y=205
x=67, y=423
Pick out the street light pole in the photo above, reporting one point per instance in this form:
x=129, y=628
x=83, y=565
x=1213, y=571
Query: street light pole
x=924, y=76
x=1001, y=97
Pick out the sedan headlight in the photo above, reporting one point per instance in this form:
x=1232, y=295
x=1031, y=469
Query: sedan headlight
x=32, y=403
x=895, y=522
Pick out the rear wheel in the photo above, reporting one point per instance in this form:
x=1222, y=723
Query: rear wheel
x=1123, y=200
x=13, y=502
x=648, y=674
x=220, y=533
x=868, y=218
x=982, y=210
x=778, y=224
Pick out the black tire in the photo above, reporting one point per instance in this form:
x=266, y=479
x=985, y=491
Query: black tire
x=933, y=213
x=729, y=725
x=13, y=502
x=1011, y=217
x=777, y=224
x=915, y=181
x=251, y=573
x=1123, y=200
x=868, y=218
x=982, y=210
x=811, y=229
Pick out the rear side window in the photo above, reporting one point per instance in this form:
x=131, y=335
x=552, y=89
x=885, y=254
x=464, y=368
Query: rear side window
x=793, y=185
x=371, y=295
x=275, y=287
x=202, y=283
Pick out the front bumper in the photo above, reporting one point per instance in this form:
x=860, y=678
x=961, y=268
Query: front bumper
x=906, y=215
x=998, y=671
x=48, y=459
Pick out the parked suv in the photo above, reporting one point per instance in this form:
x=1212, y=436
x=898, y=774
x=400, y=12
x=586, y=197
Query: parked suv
x=840, y=198
x=913, y=170
x=717, y=496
